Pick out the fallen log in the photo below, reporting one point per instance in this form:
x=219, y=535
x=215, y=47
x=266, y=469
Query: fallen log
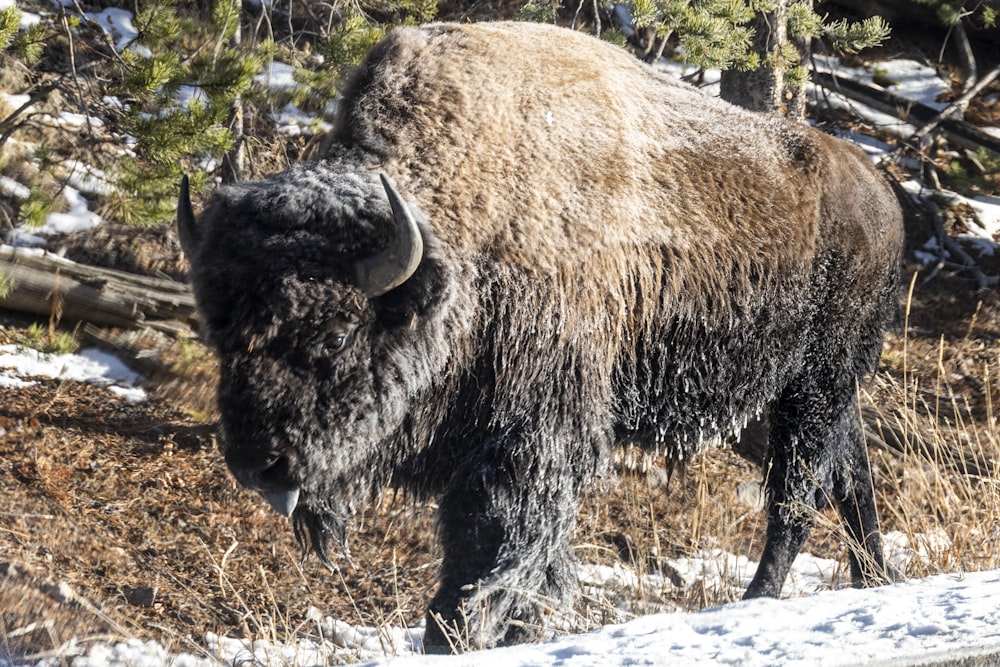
x=957, y=132
x=41, y=283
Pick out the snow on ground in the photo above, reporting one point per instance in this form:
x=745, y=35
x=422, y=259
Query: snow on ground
x=77, y=218
x=118, y=26
x=277, y=77
x=18, y=365
x=984, y=228
x=948, y=616
x=814, y=626
x=906, y=78
x=944, y=616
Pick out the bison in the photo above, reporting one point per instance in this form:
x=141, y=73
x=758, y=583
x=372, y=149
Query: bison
x=522, y=247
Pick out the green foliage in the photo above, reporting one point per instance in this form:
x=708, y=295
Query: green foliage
x=157, y=22
x=717, y=33
x=351, y=40
x=346, y=44
x=182, y=90
x=6, y=284
x=975, y=173
x=47, y=339
x=29, y=44
x=10, y=19
x=978, y=13
x=226, y=18
x=989, y=16
x=616, y=37
x=26, y=45
x=846, y=37
x=144, y=76
x=803, y=22
x=539, y=11
x=35, y=209
x=713, y=32
x=171, y=51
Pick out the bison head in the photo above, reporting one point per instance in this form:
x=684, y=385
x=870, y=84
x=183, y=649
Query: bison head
x=294, y=278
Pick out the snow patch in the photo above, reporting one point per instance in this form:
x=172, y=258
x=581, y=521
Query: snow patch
x=906, y=78
x=292, y=121
x=188, y=94
x=78, y=218
x=28, y=19
x=984, y=229
x=277, y=77
x=90, y=365
x=9, y=186
x=117, y=24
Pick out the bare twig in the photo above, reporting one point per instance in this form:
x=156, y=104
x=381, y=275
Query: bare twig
x=965, y=55
x=957, y=108
x=964, y=262
x=957, y=132
x=11, y=123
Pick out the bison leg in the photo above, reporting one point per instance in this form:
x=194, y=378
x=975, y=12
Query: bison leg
x=792, y=503
x=854, y=496
x=505, y=523
x=809, y=465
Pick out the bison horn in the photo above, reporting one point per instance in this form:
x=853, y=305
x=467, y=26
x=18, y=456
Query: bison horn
x=186, y=226
x=393, y=266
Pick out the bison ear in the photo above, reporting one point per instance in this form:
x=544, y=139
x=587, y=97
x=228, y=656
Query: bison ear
x=393, y=266
x=187, y=226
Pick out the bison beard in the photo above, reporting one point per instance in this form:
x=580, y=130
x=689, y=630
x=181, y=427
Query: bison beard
x=570, y=250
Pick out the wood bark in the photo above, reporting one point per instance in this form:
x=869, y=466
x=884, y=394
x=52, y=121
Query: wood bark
x=51, y=286
x=761, y=89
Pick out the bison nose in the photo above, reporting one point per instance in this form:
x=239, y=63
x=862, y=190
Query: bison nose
x=274, y=479
x=282, y=502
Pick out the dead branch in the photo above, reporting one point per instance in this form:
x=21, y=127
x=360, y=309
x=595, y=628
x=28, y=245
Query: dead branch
x=957, y=132
x=48, y=285
x=957, y=108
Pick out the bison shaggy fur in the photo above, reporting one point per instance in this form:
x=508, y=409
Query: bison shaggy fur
x=570, y=250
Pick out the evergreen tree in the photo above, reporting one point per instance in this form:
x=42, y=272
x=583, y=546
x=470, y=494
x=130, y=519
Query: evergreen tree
x=182, y=88
x=760, y=45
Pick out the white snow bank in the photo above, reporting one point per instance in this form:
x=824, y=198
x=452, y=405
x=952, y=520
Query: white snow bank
x=77, y=218
x=947, y=615
x=906, y=78
x=984, y=229
x=277, y=77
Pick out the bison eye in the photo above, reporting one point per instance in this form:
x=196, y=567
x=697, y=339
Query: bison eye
x=335, y=342
x=337, y=333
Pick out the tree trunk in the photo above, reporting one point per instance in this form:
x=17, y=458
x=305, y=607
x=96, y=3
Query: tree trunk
x=761, y=89
x=765, y=88
x=234, y=161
